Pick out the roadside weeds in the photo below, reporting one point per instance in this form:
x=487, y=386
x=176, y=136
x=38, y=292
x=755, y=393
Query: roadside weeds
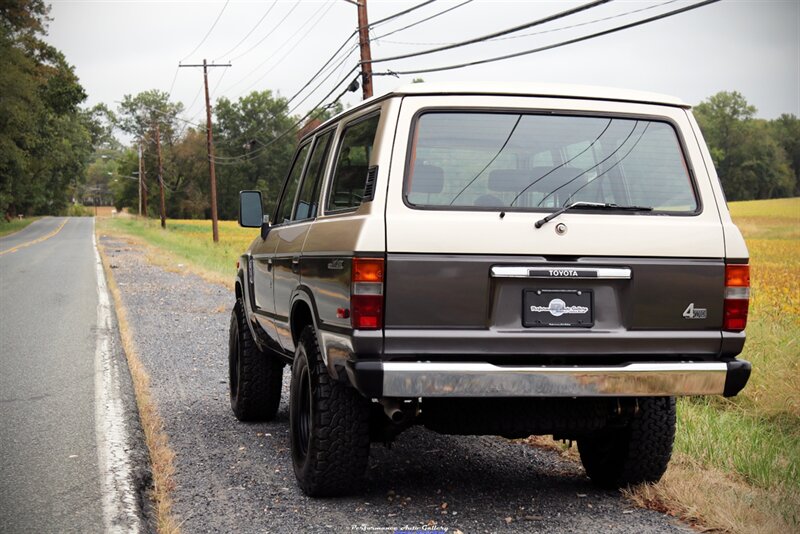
x=715, y=501
x=161, y=455
x=707, y=498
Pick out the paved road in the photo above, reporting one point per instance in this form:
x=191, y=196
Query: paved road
x=236, y=477
x=63, y=426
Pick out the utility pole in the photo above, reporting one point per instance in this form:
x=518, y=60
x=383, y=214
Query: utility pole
x=366, y=53
x=143, y=192
x=140, y=178
x=210, y=146
x=160, y=176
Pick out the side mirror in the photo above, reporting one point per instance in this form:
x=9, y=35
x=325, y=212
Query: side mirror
x=251, y=213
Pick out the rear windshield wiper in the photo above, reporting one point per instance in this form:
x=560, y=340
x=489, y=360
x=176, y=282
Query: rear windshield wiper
x=590, y=206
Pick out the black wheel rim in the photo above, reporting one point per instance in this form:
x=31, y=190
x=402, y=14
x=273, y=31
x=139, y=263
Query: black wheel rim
x=304, y=413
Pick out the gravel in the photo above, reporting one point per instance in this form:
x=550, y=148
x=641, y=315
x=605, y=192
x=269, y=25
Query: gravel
x=232, y=476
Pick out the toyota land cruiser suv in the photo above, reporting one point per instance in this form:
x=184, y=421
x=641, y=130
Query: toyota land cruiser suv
x=491, y=259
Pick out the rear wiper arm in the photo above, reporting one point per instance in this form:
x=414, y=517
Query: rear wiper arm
x=589, y=206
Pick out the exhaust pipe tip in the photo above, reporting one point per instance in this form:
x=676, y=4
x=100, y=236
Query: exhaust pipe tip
x=397, y=416
x=394, y=411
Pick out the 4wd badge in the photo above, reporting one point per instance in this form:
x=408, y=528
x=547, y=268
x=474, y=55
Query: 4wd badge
x=695, y=313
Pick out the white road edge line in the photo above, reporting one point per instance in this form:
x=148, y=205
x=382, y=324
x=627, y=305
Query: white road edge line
x=116, y=474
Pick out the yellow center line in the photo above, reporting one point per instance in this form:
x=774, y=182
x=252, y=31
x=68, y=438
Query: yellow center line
x=37, y=240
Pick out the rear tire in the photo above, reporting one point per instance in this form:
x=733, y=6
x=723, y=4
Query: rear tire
x=328, y=426
x=638, y=452
x=255, y=378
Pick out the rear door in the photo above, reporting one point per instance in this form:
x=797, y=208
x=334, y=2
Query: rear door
x=470, y=178
x=292, y=234
x=289, y=236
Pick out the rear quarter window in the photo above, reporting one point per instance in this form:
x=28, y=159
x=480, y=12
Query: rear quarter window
x=352, y=165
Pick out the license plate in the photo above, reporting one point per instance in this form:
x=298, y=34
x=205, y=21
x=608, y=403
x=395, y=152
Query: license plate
x=557, y=307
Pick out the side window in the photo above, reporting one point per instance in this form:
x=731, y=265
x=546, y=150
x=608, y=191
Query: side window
x=307, y=202
x=284, y=212
x=352, y=165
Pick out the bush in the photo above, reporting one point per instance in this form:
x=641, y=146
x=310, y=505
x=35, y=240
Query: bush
x=79, y=210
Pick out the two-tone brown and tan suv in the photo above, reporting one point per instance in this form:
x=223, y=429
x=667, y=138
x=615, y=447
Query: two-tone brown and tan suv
x=492, y=259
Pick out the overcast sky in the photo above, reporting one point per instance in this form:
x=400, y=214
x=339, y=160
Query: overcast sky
x=124, y=47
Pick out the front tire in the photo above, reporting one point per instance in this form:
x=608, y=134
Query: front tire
x=328, y=426
x=635, y=453
x=255, y=378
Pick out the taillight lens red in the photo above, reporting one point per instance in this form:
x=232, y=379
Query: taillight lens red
x=366, y=294
x=737, y=297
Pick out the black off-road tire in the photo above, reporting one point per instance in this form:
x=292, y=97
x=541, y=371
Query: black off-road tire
x=255, y=378
x=638, y=452
x=328, y=426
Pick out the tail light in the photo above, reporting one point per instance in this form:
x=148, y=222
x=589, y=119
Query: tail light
x=366, y=294
x=737, y=297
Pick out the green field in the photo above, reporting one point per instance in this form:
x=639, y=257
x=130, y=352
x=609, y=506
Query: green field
x=752, y=441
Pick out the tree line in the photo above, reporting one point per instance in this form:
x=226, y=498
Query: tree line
x=754, y=158
x=46, y=138
x=55, y=153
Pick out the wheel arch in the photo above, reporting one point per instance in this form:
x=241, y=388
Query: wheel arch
x=304, y=313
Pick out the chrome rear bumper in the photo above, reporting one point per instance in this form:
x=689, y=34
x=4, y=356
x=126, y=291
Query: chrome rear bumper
x=461, y=379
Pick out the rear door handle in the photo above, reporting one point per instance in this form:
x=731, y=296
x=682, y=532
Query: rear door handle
x=296, y=264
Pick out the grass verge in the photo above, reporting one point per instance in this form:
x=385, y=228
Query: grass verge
x=161, y=455
x=15, y=225
x=188, y=243
x=174, y=250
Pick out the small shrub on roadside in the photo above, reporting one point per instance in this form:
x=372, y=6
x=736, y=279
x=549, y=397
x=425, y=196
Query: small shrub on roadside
x=79, y=210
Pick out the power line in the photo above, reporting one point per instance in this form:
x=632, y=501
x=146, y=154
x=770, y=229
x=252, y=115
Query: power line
x=172, y=85
x=525, y=26
x=196, y=48
x=264, y=144
x=312, y=79
x=298, y=38
x=194, y=100
x=253, y=155
x=333, y=70
x=542, y=32
x=251, y=30
x=164, y=113
x=315, y=109
x=296, y=5
x=400, y=14
x=335, y=54
x=426, y=19
x=214, y=90
x=330, y=59
x=552, y=46
x=610, y=17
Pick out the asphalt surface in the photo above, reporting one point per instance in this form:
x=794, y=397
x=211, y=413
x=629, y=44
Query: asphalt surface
x=236, y=477
x=55, y=426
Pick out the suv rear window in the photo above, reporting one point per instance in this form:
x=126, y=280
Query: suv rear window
x=479, y=160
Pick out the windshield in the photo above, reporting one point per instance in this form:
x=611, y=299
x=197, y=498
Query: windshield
x=479, y=160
